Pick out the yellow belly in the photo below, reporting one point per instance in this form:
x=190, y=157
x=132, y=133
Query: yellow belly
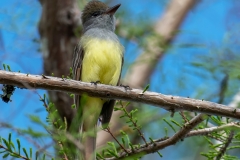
x=102, y=61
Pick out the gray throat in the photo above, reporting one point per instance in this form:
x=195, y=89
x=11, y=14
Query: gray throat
x=101, y=33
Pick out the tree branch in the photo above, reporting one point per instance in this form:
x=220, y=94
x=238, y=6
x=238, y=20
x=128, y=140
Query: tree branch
x=162, y=143
x=225, y=146
x=171, y=103
x=205, y=131
x=59, y=33
x=155, y=146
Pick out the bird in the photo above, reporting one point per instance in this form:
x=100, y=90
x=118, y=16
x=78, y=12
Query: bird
x=98, y=58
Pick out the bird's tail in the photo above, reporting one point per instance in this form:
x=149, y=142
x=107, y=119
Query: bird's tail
x=91, y=112
x=89, y=142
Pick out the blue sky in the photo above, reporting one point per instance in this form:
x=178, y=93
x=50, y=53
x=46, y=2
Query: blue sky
x=207, y=25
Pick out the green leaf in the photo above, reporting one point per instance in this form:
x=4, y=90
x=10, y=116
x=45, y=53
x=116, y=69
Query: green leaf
x=14, y=155
x=112, y=153
x=8, y=67
x=146, y=88
x=122, y=132
x=100, y=156
x=71, y=95
x=25, y=152
x=216, y=146
x=4, y=66
x=9, y=137
x=166, y=131
x=30, y=152
x=130, y=144
x=117, y=109
x=36, y=155
x=216, y=120
x=73, y=106
x=122, y=116
x=113, y=146
x=5, y=155
x=19, y=146
x=7, y=144
x=12, y=145
x=159, y=154
x=169, y=124
x=176, y=123
x=233, y=147
x=152, y=141
x=103, y=152
x=35, y=119
x=123, y=141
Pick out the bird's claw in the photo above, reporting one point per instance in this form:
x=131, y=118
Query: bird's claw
x=125, y=86
x=96, y=82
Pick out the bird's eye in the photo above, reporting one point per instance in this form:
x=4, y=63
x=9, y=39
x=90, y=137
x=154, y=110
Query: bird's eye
x=95, y=14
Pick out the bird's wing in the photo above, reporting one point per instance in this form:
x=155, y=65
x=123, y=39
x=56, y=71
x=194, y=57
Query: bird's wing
x=108, y=106
x=76, y=68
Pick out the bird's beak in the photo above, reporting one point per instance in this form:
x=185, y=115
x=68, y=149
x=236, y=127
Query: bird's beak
x=113, y=9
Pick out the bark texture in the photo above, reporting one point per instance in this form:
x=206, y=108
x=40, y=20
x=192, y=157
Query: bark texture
x=168, y=102
x=58, y=23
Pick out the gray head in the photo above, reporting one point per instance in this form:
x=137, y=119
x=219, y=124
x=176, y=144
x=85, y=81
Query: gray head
x=96, y=14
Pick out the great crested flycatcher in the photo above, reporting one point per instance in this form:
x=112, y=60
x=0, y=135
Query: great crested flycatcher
x=98, y=58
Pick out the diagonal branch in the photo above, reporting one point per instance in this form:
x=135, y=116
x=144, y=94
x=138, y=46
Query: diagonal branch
x=153, y=147
x=225, y=146
x=205, y=131
x=234, y=126
x=171, y=103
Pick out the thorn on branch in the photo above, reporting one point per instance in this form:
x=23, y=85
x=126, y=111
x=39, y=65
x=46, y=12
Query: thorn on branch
x=172, y=112
x=45, y=76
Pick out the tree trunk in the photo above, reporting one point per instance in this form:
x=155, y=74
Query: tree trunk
x=57, y=28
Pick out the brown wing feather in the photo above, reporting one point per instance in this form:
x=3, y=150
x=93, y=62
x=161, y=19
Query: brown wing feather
x=76, y=67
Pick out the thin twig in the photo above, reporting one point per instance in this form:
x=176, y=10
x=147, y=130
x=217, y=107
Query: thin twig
x=21, y=133
x=224, y=148
x=108, y=130
x=134, y=123
x=16, y=153
x=64, y=154
x=183, y=117
x=232, y=126
x=154, y=147
x=213, y=137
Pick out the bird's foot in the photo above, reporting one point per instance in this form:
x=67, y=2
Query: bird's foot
x=126, y=87
x=96, y=82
